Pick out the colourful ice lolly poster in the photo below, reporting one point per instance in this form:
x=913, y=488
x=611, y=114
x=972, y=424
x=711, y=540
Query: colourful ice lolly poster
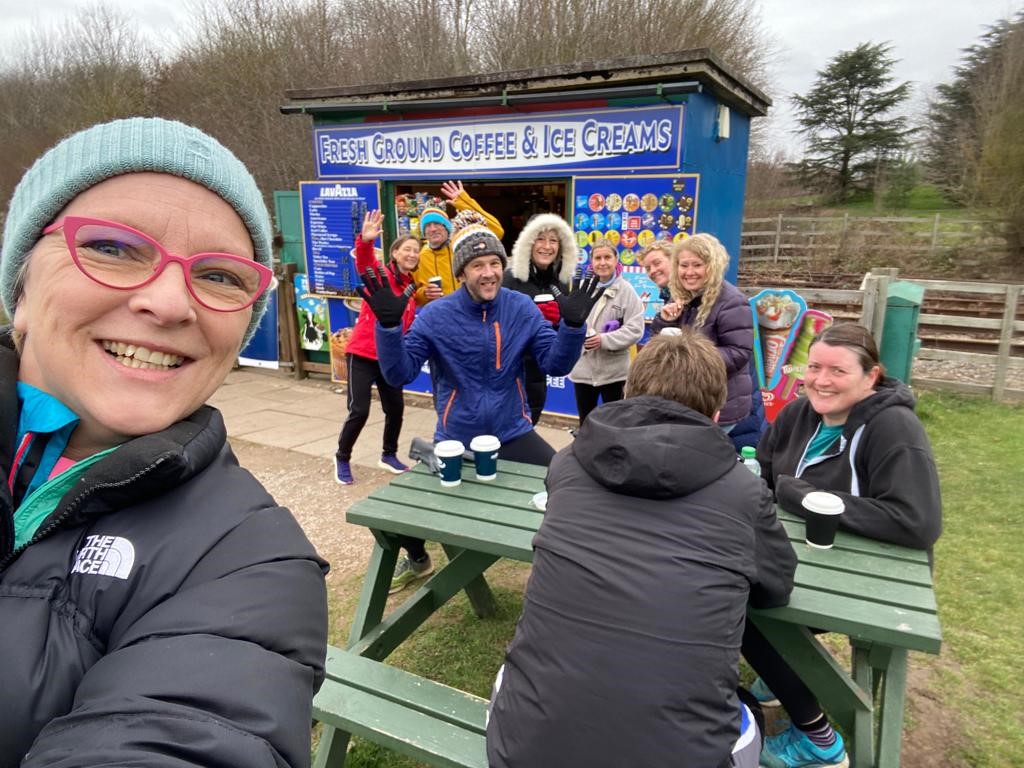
x=783, y=330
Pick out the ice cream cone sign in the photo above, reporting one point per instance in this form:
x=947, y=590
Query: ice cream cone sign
x=783, y=330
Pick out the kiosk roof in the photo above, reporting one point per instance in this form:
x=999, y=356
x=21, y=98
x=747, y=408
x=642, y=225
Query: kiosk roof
x=649, y=75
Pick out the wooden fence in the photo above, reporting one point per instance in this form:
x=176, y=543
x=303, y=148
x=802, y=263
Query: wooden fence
x=867, y=305
x=785, y=238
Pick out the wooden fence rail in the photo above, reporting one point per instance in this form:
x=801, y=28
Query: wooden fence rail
x=782, y=238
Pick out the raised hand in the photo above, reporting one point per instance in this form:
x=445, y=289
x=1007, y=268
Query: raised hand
x=452, y=189
x=575, y=306
x=372, y=226
x=376, y=291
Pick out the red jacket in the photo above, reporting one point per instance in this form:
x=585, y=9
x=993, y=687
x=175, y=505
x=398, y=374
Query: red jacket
x=363, y=341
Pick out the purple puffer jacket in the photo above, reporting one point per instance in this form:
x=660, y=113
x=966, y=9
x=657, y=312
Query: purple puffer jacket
x=730, y=326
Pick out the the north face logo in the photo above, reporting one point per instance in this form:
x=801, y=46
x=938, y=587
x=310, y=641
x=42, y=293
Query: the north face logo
x=105, y=556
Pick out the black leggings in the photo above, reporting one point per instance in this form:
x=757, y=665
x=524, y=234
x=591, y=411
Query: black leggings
x=788, y=688
x=530, y=448
x=363, y=373
x=587, y=394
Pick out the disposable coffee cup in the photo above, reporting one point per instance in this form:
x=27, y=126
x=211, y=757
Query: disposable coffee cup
x=435, y=280
x=823, y=511
x=449, y=459
x=543, y=298
x=485, y=456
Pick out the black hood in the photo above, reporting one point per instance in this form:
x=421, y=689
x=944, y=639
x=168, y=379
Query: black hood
x=652, y=448
x=889, y=393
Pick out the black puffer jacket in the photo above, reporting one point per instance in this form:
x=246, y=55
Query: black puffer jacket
x=167, y=613
x=881, y=467
x=730, y=326
x=654, y=540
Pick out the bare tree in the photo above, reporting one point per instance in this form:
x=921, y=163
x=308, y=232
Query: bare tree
x=513, y=34
x=91, y=69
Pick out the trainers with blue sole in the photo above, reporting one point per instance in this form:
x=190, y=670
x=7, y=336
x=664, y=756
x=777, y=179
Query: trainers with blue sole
x=793, y=749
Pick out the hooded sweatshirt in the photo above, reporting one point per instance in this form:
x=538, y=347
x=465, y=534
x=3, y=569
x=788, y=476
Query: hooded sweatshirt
x=881, y=466
x=654, y=541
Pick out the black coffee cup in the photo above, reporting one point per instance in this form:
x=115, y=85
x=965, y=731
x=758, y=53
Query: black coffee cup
x=823, y=512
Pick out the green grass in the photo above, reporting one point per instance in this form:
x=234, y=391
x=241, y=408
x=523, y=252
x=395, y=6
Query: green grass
x=925, y=200
x=979, y=583
x=979, y=570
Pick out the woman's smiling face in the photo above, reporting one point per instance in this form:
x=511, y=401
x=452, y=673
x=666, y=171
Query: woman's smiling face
x=131, y=362
x=835, y=381
x=545, y=249
x=693, y=272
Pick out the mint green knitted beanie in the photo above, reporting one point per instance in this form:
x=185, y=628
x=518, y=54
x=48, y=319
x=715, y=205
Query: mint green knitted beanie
x=138, y=144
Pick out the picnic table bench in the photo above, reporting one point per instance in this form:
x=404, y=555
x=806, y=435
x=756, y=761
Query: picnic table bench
x=879, y=595
x=427, y=721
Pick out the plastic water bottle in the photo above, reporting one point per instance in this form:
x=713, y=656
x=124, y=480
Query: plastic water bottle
x=749, y=455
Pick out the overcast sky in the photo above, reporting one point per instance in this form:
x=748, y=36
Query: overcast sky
x=927, y=35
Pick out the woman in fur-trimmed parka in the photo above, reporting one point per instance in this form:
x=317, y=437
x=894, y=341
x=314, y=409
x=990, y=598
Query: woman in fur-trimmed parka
x=159, y=608
x=543, y=261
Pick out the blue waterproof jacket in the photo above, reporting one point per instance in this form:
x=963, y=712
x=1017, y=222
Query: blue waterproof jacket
x=476, y=353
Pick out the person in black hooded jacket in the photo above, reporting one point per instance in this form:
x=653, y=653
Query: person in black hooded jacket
x=854, y=434
x=654, y=541
x=159, y=608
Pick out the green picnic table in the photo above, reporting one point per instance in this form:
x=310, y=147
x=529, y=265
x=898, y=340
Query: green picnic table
x=879, y=595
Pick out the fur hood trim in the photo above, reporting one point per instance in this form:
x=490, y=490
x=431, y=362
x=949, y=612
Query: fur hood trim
x=519, y=265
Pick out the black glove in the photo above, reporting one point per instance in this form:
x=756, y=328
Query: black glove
x=576, y=306
x=376, y=291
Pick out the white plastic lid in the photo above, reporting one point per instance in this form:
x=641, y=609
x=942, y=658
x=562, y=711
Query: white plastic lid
x=543, y=298
x=823, y=503
x=449, y=448
x=485, y=443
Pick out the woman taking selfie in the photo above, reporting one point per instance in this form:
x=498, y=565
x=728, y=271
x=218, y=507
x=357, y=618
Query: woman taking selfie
x=158, y=607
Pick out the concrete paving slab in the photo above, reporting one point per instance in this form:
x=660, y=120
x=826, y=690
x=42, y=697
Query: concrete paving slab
x=237, y=407
x=322, y=405
x=242, y=424
x=293, y=432
x=254, y=387
x=270, y=408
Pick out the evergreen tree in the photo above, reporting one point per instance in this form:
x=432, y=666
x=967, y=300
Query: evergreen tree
x=847, y=120
x=965, y=115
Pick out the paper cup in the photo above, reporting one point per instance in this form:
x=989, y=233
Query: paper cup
x=823, y=511
x=449, y=458
x=435, y=280
x=543, y=298
x=485, y=456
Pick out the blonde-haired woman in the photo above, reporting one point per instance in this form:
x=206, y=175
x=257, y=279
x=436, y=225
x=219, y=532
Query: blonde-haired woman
x=705, y=301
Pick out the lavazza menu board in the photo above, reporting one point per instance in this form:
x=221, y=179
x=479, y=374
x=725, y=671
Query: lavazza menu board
x=332, y=217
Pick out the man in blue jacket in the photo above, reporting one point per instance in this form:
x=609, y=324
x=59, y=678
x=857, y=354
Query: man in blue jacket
x=476, y=339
